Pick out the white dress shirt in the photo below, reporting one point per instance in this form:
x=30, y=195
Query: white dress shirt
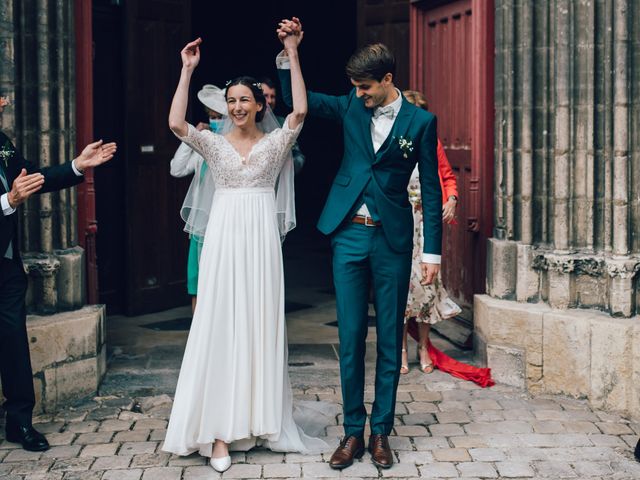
x=185, y=161
x=381, y=126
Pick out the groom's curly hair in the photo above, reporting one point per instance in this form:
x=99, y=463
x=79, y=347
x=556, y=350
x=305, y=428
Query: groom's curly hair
x=371, y=62
x=253, y=85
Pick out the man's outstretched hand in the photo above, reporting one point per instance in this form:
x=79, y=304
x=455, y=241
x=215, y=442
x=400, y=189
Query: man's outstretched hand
x=23, y=187
x=95, y=154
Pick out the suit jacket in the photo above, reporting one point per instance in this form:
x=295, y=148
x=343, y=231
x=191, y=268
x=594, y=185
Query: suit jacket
x=55, y=178
x=388, y=170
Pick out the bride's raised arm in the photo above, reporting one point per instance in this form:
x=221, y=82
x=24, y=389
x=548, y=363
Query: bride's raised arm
x=190, y=55
x=298, y=89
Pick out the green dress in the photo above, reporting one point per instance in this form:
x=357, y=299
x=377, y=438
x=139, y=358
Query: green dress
x=195, y=248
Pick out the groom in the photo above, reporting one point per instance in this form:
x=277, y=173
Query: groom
x=369, y=219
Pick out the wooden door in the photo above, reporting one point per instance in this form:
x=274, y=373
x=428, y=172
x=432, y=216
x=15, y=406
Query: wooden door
x=141, y=248
x=452, y=63
x=387, y=21
x=156, y=247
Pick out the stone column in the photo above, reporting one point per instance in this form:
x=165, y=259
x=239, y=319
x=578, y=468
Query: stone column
x=67, y=338
x=567, y=163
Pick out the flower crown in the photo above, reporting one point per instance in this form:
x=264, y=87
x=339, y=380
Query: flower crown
x=258, y=85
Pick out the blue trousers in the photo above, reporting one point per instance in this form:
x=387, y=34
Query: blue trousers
x=362, y=257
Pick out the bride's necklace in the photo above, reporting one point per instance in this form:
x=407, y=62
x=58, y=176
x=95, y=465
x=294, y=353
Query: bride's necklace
x=253, y=140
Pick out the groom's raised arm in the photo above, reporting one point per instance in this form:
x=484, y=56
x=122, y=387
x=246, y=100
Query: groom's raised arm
x=319, y=104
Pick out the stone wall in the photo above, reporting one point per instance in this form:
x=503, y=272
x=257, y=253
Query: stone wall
x=567, y=197
x=37, y=56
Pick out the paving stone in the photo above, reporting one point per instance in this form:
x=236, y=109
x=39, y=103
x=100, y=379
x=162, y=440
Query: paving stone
x=115, y=425
x=49, y=427
x=93, y=438
x=319, y=470
x=482, y=405
x=422, y=396
x=400, y=443
x=558, y=440
x=193, y=460
x=508, y=427
x=282, y=470
x=630, y=440
x=592, y=469
x=58, y=439
x=146, y=460
x=517, y=414
x=150, y=424
x=111, y=463
x=123, y=403
x=515, y=470
x=438, y=470
x=602, y=440
x=614, y=428
x=32, y=467
x=243, y=471
x=446, y=429
x=453, y=405
x=430, y=443
x=302, y=458
x=132, y=436
x=459, y=416
x=477, y=469
x=419, y=419
x=555, y=469
x=131, y=474
x=65, y=451
x=100, y=450
x=158, y=435
x=264, y=456
x=398, y=470
x=487, y=416
x=82, y=427
x=487, y=454
x=162, y=473
x=91, y=475
x=21, y=455
x=135, y=448
x=103, y=413
x=548, y=426
x=44, y=476
x=130, y=416
x=416, y=458
x=578, y=426
x=627, y=466
x=200, y=473
x=72, y=464
x=411, y=431
x=470, y=441
x=451, y=455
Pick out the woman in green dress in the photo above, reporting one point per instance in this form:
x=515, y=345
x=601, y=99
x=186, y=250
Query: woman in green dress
x=187, y=161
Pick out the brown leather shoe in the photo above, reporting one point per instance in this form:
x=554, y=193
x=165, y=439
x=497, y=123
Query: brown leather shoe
x=380, y=451
x=350, y=447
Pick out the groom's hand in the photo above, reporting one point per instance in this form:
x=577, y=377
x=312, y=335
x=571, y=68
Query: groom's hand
x=429, y=273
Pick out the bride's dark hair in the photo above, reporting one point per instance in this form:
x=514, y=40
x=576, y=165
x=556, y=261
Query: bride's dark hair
x=256, y=89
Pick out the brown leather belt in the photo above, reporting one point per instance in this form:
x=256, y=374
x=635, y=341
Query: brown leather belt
x=368, y=221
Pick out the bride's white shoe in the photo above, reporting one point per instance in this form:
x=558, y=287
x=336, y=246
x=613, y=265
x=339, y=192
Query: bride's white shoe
x=221, y=464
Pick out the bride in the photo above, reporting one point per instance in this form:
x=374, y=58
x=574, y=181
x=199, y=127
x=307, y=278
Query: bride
x=234, y=391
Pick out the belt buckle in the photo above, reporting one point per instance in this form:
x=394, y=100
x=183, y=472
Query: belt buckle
x=368, y=219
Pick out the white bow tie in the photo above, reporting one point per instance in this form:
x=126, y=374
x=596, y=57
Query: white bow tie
x=386, y=111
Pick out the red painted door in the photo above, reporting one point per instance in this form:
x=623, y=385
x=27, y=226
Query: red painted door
x=451, y=65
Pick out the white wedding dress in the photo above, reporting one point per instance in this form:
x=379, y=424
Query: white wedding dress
x=234, y=382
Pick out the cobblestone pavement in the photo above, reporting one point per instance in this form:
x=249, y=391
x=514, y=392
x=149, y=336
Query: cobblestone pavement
x=445, y=428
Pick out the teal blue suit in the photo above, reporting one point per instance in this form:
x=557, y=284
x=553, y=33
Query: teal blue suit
x=380, y=256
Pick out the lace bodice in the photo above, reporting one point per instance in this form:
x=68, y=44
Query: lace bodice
x=259, y=169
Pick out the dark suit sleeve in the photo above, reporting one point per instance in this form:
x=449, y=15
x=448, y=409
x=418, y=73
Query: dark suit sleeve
x=430, y=189
x=330, y=107
x=55, y=178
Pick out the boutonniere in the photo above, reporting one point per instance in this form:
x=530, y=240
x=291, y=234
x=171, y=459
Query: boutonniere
x=6, y=152
x=406, y=145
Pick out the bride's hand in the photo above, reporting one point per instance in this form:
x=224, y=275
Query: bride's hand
x=190, y=54
x=290, y=32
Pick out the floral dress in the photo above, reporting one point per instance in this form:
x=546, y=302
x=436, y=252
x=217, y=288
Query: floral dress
x=426, y=303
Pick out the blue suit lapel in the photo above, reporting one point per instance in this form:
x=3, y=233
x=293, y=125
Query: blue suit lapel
x=365, y=127
x=399, y=129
